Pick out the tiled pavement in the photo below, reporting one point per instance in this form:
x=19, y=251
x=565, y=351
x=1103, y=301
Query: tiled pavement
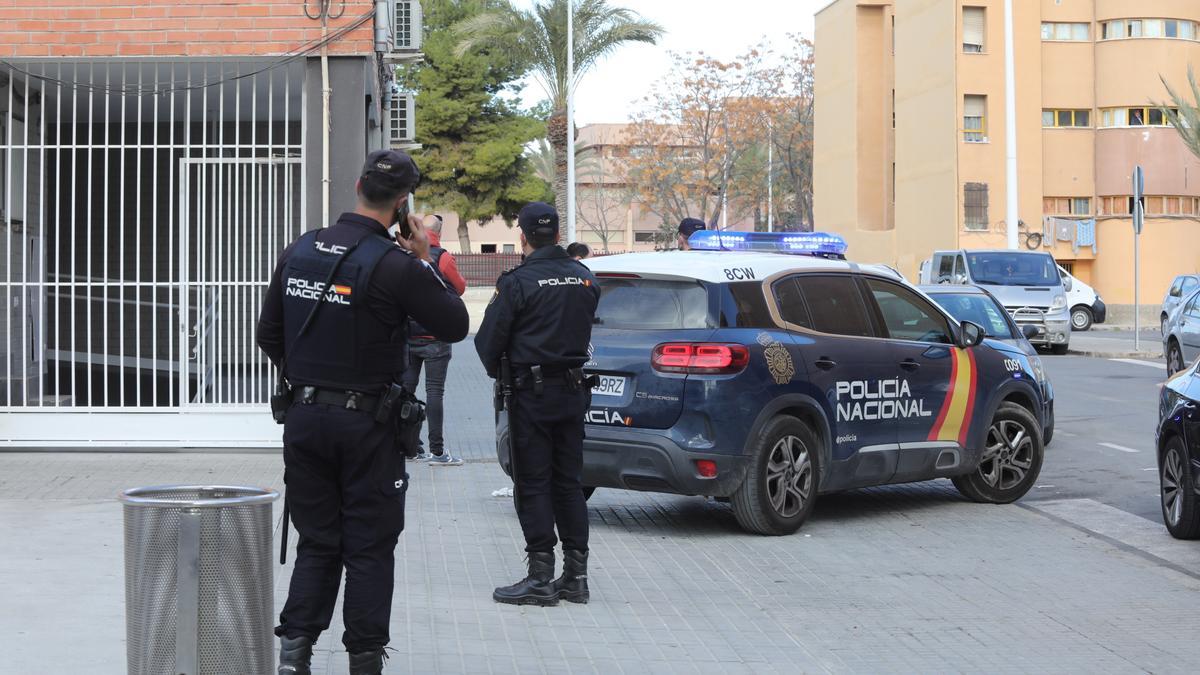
x=905, y=579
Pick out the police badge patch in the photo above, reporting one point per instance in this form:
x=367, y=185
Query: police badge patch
x=779, y=361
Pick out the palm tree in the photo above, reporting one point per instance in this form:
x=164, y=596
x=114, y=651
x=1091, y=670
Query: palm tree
x=1184, y=115
x=538, y=37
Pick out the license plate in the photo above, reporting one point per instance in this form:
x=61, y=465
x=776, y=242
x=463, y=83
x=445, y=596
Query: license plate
x=609, y=386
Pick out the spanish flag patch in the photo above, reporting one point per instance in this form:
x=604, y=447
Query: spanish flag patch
x=341, y=290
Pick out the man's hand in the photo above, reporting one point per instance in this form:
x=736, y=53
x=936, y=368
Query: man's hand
x=418, y=243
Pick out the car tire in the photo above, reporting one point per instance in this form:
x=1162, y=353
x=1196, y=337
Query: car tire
x=1060, y=350
x=1012, y=458
x=1081, y=318
x=1174, y=358
x=782, y=478
x=1181, y=513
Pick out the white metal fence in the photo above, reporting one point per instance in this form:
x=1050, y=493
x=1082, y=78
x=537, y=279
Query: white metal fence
x=144, y=205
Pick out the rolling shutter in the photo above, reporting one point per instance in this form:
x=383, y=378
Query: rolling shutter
x=973, y=29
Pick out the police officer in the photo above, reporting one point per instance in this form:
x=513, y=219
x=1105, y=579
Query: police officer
x=343, y=469
x=688, y=227
x=541, y=317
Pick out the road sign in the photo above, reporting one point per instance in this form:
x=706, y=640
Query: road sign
x=1139, y=199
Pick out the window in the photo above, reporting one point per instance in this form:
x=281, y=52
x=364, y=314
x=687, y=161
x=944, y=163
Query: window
x=1135, y=117
x=1193, y=308
x=1189, y=284
x=510, y=248
x=974, y=29
x=1081, y=206
x=945, y=270
x=974, y=116
x=1067, y=206
x=1155, y=205
x=975, y=206
x=791, y=303
x=1066, y=118
x=906, y=315
x=1121, y=29
x=1065, y=32
x=644, y=237
x=835, y=305
x=750, y=306
x=979, y=309
x=487, y=248
x=647, y=304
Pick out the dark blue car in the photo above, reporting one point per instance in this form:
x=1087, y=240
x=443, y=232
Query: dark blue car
x=1178, y=437
x=767, y=379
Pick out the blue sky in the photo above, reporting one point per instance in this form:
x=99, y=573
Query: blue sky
x=723, y=29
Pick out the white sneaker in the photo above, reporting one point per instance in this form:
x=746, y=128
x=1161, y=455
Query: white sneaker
x=445, y=459
x=423, y=456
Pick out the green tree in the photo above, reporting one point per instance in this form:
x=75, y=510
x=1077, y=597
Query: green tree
x=538, y=37
x=1185, y=115
x=473, y=137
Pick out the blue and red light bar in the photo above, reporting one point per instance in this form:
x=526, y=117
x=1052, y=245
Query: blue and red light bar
x=822, y=244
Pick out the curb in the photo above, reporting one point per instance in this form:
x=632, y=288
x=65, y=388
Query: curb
x=1145, y=356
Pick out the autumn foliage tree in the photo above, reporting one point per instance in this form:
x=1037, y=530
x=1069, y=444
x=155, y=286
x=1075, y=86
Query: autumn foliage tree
x=699, y=144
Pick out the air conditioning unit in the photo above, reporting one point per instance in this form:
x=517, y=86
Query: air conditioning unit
x=402, y=119
x=406, y=25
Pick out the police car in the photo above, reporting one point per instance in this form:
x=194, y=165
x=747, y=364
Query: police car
x=736, y=372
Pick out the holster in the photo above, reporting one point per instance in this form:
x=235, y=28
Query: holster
x=406, y=413
x=281, y=400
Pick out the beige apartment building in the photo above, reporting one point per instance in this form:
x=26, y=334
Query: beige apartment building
x=910, y=132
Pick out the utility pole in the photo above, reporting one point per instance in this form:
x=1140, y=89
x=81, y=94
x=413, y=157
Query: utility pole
x=570, y=121
x=1012, y=216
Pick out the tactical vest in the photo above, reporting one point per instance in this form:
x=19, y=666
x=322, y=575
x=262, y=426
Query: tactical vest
x=415, y=329
x=346, y=347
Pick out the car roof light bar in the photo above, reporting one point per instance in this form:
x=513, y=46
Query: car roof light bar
x=822, y=244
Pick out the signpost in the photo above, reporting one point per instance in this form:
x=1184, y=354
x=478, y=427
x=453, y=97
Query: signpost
x=1139, y=215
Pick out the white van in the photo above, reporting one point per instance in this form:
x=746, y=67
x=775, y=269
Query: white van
x=1085, y=303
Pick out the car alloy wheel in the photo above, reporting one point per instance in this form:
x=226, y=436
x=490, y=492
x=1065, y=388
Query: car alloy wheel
x=789, y=476
x=1174, y=359
x=1009, y=455
x=1172, y=482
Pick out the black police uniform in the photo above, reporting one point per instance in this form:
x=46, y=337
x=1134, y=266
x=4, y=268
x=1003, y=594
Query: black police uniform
x=344, y=472
x=542, y=316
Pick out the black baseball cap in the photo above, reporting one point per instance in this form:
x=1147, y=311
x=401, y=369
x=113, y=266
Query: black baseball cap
x=688, y=226
x=392, y=168
x=538, y=219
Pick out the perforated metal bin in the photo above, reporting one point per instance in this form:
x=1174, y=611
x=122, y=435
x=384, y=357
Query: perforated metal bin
x=198, y=580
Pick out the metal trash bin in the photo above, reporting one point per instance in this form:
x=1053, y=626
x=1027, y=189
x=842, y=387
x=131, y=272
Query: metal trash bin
x=199, y=580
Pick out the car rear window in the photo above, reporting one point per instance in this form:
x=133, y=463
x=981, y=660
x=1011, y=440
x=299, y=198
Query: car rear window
x=647, y=304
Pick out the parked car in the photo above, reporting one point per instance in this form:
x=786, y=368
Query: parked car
x=1086, y=306
x=974, y=304
x=1181, y=288
x=1027, y=283
x=1178, y=443
x=1181, y=334
x=765, y=380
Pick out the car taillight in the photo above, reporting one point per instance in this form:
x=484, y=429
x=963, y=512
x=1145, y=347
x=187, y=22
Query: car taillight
x=701, y=358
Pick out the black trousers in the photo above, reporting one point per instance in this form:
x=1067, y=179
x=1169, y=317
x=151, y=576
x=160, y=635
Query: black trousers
x=345, y=488
x=548, y=438
x=435, y=357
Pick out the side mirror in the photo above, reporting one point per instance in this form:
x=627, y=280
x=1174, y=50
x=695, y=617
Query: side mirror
x=1175, y=292
x=970, y=334
x=1067, y=283
x=1029, y=331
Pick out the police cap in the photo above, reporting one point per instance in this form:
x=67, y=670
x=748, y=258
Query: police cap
x=538, y=220
x=689, y=226
x=391, y=169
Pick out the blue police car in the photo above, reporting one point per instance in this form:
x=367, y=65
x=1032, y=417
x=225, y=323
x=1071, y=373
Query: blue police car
x=738, y=372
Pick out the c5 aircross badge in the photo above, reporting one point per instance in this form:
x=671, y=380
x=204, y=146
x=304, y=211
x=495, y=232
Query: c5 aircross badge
x=779, y=361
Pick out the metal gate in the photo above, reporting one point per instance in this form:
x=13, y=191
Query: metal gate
x=144, y=204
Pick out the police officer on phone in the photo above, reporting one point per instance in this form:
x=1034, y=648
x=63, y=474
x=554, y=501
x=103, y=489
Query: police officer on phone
x=540, y=320
x=343, y=468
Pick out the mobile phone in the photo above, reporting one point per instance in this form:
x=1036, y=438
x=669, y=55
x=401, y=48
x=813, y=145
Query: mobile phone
x=405, y=229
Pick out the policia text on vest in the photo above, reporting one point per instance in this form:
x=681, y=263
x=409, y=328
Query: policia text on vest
x=344, y=465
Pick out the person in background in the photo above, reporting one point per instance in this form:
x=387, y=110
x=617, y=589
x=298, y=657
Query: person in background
x=426, y=351
x=579, y=251
x=688, y=227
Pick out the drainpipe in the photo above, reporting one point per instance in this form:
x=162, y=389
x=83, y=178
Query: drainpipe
x=383, y=27
x=325, y=92
x=1012, y=217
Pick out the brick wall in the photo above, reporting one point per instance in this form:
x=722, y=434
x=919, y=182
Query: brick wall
x=105, y=28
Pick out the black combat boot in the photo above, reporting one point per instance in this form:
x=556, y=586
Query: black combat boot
x=572, y=585
x=295, y=656
x=367, y=663
x=535, y=589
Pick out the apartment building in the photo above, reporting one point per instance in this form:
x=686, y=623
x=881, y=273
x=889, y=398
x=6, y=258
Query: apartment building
x=155, y=158
x=910, y=132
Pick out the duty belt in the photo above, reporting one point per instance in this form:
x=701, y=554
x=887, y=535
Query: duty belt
x=350, y=400
x=536, y=379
